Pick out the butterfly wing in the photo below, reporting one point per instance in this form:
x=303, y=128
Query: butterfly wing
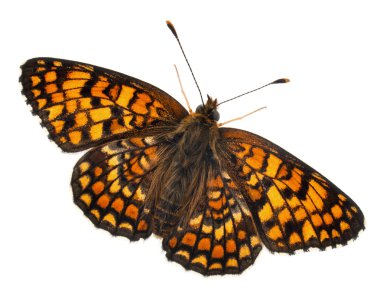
x=83, y=105
x=110, y=184
x=293, y=206
x=219, y=237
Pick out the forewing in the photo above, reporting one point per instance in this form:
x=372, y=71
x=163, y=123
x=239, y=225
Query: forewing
x=83, y=105
x=293, y=206
x=220, y=237
x=110, y=184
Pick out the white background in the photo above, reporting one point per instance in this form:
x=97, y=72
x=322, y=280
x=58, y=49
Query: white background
x=328, y=116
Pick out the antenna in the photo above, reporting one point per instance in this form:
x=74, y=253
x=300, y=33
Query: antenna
x=171, y=27
x=283, y=80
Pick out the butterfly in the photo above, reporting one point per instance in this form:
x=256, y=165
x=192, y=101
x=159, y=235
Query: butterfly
x=215, y=195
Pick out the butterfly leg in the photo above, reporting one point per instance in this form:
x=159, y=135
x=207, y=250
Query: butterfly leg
x=183, y=91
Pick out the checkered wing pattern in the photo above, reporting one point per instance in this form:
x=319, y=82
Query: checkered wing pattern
x=293, y=206
x=110, y=184
x=219, y=237
x=83, y=105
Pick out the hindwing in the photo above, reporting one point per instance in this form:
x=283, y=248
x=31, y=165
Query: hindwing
x=110, y=184
x=220, y=236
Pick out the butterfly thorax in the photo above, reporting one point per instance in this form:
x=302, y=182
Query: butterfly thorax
x=179, y=182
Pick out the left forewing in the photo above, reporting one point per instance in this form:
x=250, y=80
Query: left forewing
x=83, y=105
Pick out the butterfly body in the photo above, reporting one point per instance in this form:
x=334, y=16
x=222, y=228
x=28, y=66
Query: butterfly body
x=178, y=183
x=215, y=195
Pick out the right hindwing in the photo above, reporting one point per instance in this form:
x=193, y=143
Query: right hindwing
x=219, y=236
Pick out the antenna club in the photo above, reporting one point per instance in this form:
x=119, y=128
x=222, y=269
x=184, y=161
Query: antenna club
x=171, y=27
x=282, y=80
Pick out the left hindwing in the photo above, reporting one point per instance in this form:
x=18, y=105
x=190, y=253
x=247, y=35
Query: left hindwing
x=83, y=105
x=110, y=184
x=293, y=206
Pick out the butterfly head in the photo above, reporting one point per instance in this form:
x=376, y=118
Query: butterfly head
x=209, y=109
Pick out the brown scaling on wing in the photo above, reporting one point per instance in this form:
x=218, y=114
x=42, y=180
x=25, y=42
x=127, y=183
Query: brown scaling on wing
x=82, y=105
x=219, y=237
x=110, y=184
x=294, y=207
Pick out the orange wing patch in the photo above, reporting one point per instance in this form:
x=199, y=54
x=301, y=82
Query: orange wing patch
x=110, y=184
x=83, y=105
x=293, y=206
x=220, y=237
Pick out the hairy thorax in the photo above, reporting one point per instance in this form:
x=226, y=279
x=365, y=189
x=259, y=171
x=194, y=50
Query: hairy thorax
x=179, y=182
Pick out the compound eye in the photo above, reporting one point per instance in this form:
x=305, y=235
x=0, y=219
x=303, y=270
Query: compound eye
x=199, y=109
x=214, y=115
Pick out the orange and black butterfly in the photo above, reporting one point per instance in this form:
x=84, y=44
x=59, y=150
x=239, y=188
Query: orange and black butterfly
x=215, y=195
